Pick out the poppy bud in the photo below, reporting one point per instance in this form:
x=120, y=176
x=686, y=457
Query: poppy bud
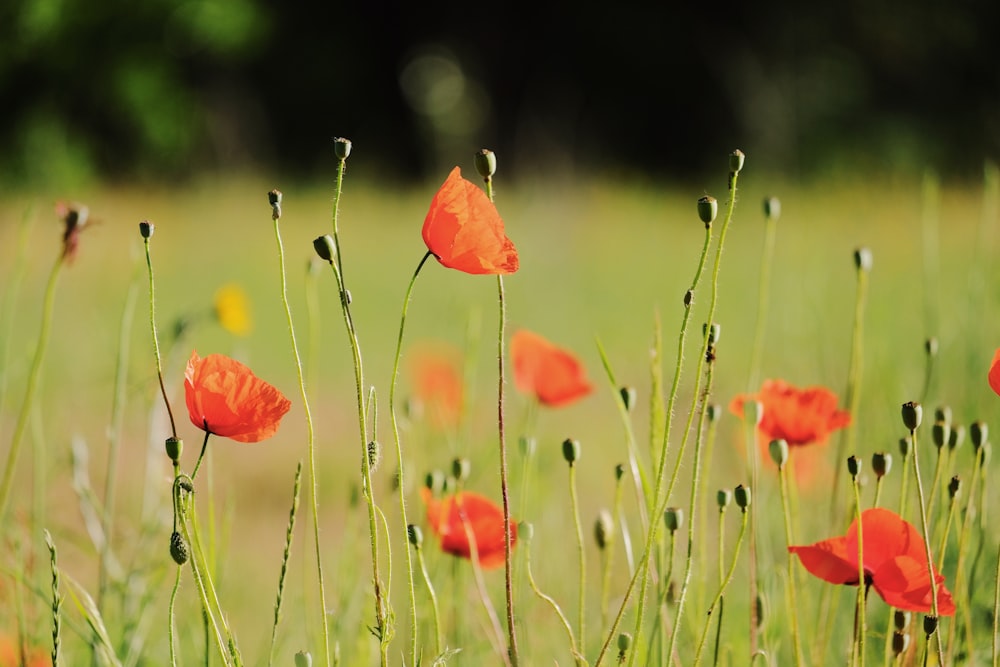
x=900, y=642
x=688, y=297
x=753, y=411
x=736, y=160
x=525, y=531
x=931, y=346
x=174, y=447
x=978, y=433
x=863, y=259
x=325, y=247
x=984, y=453
x=303, y=659
x=942, y=413
x=713, y=412
x=527, y=445
x=434, y=481
x=881, y=463
x=901, y=619
x=940, y=433
x=708, y=208
x=374, y=455
x=954, y=486
x=628, y=395
x=673, y=517
x=274, y=199
x=414, y=535
x=486, y=163
x=905, y=445
x=342, y=148
x=713, y=332
x=723, y=497
x=912, y=413
x=461, y=469
x=146, y=229
x=930, y=624
x=762, y=608
x=624, y=644
x=853, y=466
x=178, y=548
x=571, y=450
x=772, y=208
x=742, y=496
x=957, y=437
x=619, y=471
x=778, y=449
x=604, y=529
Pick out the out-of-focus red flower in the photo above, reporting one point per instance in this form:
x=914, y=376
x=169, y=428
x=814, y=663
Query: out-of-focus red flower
x=452, y=516
x=553, y=375
x=438, y=385
x=994, y=375
x=464, y=230
x=10, y=655
x=894, y=558
x=225, y=398
x=798, y=416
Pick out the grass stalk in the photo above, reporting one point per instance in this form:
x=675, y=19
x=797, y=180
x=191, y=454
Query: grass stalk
x=289, y=532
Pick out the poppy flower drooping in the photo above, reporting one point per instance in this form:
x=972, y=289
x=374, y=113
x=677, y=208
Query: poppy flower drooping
x=465, y=232
x=554, y=375
x=450, y=517
x=798, y=416
x=994, y=376
x=894, y=558
x=225, y=398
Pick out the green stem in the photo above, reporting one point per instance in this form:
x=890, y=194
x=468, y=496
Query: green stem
x=512, y=652
x=789, y=541
x=170, y=617
x=574, y=649
x=156, y=340
x=581, y=553
x=29, y=393
x=762, y=302
x=927, y=543
x=722, y=587
x=861, y=627
x=436, y=615
x=289, y=532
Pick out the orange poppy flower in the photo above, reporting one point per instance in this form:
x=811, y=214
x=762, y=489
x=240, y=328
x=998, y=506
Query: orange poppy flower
x=224, y=397
x=438, y=385
x=464, y=230
x=10, y=655
x=449, y=517
x=554, y=375
x=894, y=558
x=994, y=376
x=798, y=416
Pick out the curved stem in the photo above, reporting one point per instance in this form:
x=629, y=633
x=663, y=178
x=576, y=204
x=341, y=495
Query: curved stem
x=927, y=543
x=156, y=340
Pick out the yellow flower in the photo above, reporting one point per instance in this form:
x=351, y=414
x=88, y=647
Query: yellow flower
x=232, y=310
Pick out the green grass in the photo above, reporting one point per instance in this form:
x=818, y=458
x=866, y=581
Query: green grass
x=599, y=261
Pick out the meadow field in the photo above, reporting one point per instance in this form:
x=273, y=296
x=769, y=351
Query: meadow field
x=604, y=265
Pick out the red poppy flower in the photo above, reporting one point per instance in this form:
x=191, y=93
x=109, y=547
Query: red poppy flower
x=894, y=558
x=438, y=385
x=994, y=376
x=449, y=517
x=464, y=230
x=224, y=397
x=554, y=375
x=798, y=416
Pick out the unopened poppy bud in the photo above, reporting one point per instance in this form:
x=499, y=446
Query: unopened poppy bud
x=912, y=414
x=762, y=608
x=174, y=447
x=881, y=463
x=434, y=481
x=954, y=486
x=527, y=445
x=325, y=247
x=978, y=433
x=486, y=163
x=900, y=642
x=688, y=297
x=461, y=469
x=146, y=229
x=723, y=497
x=571, y=450
x=673, y=517
x=942, y=413
x=931, y=346
x=178, y=548
x=901, y=619
x=863, y=259
x=274, y=199
x=713, y=332
x=342, y=148
x=629, y=396
x=619, y=471
x=525, y=531
x=604, y=529
x=624, y=642
x=708, y=208
x=957, y=437
x=713, y=412
x=736, y=160
x=415, y=535
x=930, y=624
x=778, y=449
x=303, y=659
x=742, y=496
x=905, y=445
x=772, y=208
x=984, y=453
x=853, y=466
x=753, y=411
x=374, y=455
x=940, y=434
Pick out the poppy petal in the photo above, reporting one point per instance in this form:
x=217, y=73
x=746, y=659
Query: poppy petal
x=886, y=536
x=829, y=560
x=554, y=375
x=994, y=376
x=458, y=518
x=904, y=583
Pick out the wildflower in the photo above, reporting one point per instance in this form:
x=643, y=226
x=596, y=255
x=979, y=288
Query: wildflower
x=798, y=416
x=232, y=309
x=464, y=230
x=11, y=654
x=894, y=559
x=455, y=518
x=438, y=385
x=554, y=375
x=994, y=376
x=224, y=397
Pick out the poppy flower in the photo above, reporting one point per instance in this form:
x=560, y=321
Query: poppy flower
x=464, y=230
x=894, y=558
x=450, y=516
x=224, y=397
x=554, y=375
x=994, y=376
x=232, y=310
x=798, y=416
x=438, y=385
